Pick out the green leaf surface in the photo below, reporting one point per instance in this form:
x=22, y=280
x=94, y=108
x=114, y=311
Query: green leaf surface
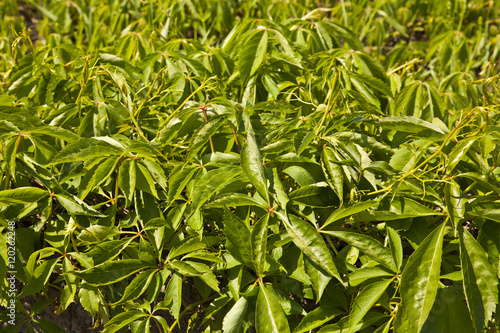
x=233, y=320
x=311, y=243
x=85, y=149
x=251, y=162
x=238, y=240
x=365, y=300
x=479, y=279
x=317, y=318
x=368, y=245
x=21, y=195
x=269, y=316
x=420, y=278
x=111, y=271
x=252, y=54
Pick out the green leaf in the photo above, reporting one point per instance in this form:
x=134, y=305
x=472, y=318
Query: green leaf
x=104, y=251
x=89, y=298
x=234, y=200
x=144, y=181
x=449, y=313
x=347, y=211
x=39, y=279
x=173, y=293
x=122, y=320
x=99, y=176
x=179, y=179
x=366, y=273
x=97, y=233
x=342, y=325
x=489, y=214
x=458, y=152
x=56, y=132
x=85, y=149
x=317, y=318
x=455, y=203
x=237, y=238
x=368, y=245
x=190, y=244
x=479, y=279
x=319, y=280
x=111, y=271
x=258, y=243
x=204, y=135
x=420, y=279
x=21, y=195
x=252, y=54
x=333, y=173
x=251, y=162
x=212, y=182
x=233, y=320
x=310, y=242
x=76, y=206
x=396, y=247
x=407, y=124
x=365, y=300
x=127, y=178
x=137, y=286
x=269, y=316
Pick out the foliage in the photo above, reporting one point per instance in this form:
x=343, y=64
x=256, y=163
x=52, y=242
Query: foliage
x=204, y=166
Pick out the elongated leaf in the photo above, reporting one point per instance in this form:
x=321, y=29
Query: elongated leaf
x=365, y=300
x=211, y=183
x=333, y=173
x=127, y=178
x=420, y=278
x=319, y=280
x=173, y=294
x=480, y=280
x=111, y=271
x=233, y=320
x=310, y=242
x=368, y=245
x=89, y=298
x=108, y=250
x=342, y=325
x=252, y=54
x=203, y=135
x=99, y=176
x=85, y=149
x=258, y=243
x=317, y=318
x=269, y=316
x=138, y=285
x=55, y=132
x=21, y=195
x=76, y=206
x=238, y=238
x=396, y=247
x=251, y=162
x=366, y=273
x=458, y=152
x=455, y=203
x=234, y=200
x=449, y=313
x=40, y=278
x=122, y=320
x=347, y=211
x=191, y=244
x=408, y=124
